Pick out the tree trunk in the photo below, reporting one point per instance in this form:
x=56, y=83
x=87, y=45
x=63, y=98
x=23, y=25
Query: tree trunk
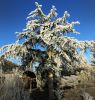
x=50, y=89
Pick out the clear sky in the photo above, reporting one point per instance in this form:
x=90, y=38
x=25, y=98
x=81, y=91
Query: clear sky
x=13, y=15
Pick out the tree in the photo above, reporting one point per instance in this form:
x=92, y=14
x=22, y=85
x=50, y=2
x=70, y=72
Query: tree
x=47, y=44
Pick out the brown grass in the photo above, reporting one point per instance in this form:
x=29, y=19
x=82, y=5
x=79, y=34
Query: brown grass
x=11, y=88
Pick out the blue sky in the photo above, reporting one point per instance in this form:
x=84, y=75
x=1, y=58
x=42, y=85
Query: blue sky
x=13, y=15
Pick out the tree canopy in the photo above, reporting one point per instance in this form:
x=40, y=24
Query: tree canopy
x=46, y=42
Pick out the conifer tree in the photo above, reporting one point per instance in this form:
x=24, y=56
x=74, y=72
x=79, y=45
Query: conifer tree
x=46, y=42
x=48, y=33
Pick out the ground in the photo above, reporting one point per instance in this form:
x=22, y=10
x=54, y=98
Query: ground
x=84, y=91
x=81, y=92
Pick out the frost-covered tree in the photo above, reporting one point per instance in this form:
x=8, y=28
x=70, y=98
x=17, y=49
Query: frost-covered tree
x=47, y=45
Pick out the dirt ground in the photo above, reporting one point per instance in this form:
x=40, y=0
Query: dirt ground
x=81, y=92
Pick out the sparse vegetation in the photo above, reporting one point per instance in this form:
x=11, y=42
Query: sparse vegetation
x=11, y=88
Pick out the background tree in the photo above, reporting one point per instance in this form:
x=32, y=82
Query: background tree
x=93, y=55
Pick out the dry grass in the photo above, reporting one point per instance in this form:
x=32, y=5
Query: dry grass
x=11, y=88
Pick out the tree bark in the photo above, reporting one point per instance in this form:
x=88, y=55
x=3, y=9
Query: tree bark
x=50, y=88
